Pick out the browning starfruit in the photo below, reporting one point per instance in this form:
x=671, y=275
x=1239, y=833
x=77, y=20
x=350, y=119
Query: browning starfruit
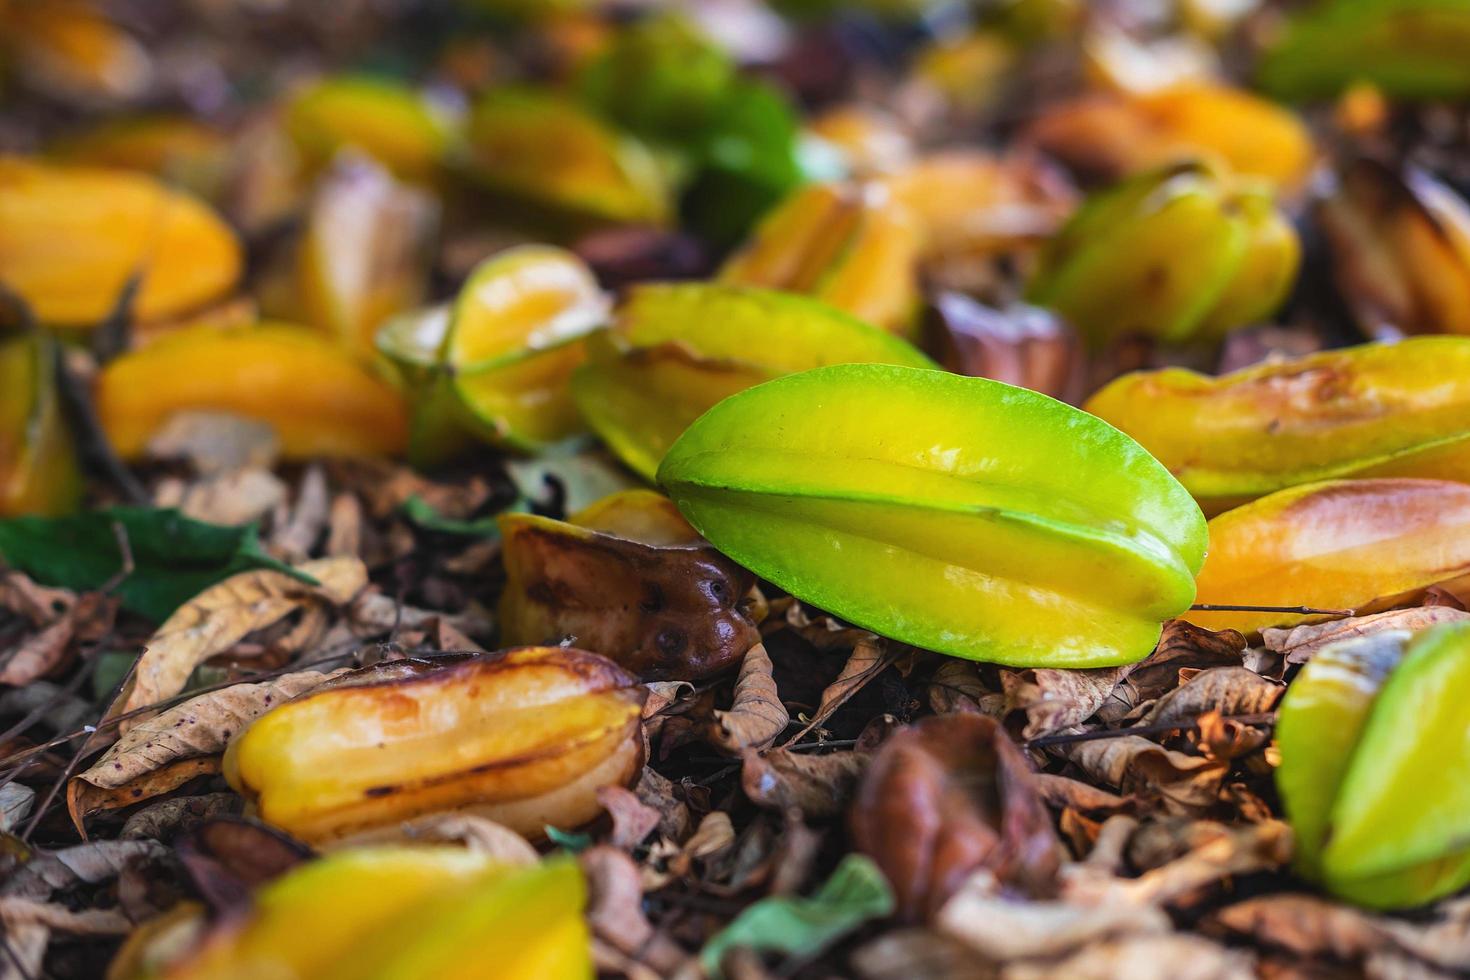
x=525, y=738
x=548, y=150
x=1400, y=246
x=38, y=463
x=853, y=245
x=497, y=363
x=1113, y=136
x=1340, y=544
x=674, y=350
x=72, y=237
x=1374, y=767
x=630, y=578
x=319, y=398
x=377, y=913
x=1375, y=410
x=958, y=514
x=394, y=124
x=1173, y=254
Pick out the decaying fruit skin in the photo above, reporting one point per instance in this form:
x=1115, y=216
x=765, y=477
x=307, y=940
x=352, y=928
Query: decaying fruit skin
x=945, y=797
x=39, y=472
x=631, y=579
x=855, y=246
x=1339, y=544
x=374, y=912
x=1373, y=766
x=317, y=396
x=1400, y=244
x=1375, y=410
x=958, y=514
x=1177, y=254
x=675, y=349
x=72, y=237
x=525, y=737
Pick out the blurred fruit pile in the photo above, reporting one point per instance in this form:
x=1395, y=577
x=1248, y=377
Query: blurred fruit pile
x=1030, y=334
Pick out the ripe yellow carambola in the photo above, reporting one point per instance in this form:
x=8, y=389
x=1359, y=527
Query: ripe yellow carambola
x=525, y=738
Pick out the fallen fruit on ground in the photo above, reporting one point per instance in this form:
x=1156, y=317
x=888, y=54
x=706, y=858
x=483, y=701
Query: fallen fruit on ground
x=313, y=392
x=385, y=119
x=39, y=471
x=675, y=349
x=1376, y=410
x=1340, y=544
x=629, y=578
x=414, y=911
x=958, y=514
x=525, y=738
x=1372, y=751
x=72, y=237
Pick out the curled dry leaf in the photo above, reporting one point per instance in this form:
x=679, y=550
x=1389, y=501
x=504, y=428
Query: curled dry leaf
x=945, y=797
x=1226, y=690
x=1064, y=792
x=632, y=819
x=222, y=615
x=869, y=658
x=1054, y=699
x=818, y=786
x=86, y=618
x=757, y=715
x=957, y=686
x=228, y=858
x=180, y=814
x=1183, y=645
x=1138, y=767
x=1299, y=643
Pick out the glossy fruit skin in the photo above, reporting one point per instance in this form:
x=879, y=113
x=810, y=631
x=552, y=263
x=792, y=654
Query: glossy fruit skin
x=39, y=471
x=1372, y=746
x=71, y=238
x=958, y=514
x=389, y=912
x=1174, y=254
x=1339, y=544
x=1398, y=409
x=855, y=246
x=318, y=397
x=676, y=349
x=525, y=738
x=390, y=122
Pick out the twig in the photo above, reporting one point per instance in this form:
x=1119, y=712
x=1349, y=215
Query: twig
x=96, y=452
x=1263, y=718
x=1246, y=607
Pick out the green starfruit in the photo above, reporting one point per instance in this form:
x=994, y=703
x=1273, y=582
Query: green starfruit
x=38, y=465
x=1398, y=409
x=1374, y=765
x=674, y=350
x=958, y=514
x=1172, y=254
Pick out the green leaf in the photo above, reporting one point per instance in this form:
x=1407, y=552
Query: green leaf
x=174, y=557
x=422, y=514
x=566, y=840
x=803, y=927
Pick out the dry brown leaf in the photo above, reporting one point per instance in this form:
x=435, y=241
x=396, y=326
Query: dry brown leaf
x=1227, y=690
x=823, y=632
x=819, y=786
x=957, y=686
x=374, y=614
x=84, y=799
x=87, y=618
x=1182, y=645
x=478, y=834
x=919, y=954
x=656, y=791
x=714, y=835
x=1052, y=699
x=38, y=604
x=1138, y=767
x=615, y=915
x=182, y=814
x=869, y=657
x=632, y=819
x=756, y=716
x=1242, y=850
x=232, y=497
x=225, y=613
x=1172, y=956
x=1064, y=792
x=1299, y=643
x=294, y=538
x=214, y=442
x=16, y=800
x=345, y=527
x=1302, y=924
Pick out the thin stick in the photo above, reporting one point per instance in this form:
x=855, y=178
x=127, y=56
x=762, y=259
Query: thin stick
x=1294, y=610
x=1264, y=718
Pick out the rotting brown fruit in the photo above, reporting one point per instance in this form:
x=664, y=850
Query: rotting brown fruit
x=1401, y=249
x=629, y=578
x=525, y=738
x=946, y=797
x=38, y=463
x=1020, y=345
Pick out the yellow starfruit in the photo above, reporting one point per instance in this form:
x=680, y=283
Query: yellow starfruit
x=38, y=464
x=392, y=123
x=957, y=514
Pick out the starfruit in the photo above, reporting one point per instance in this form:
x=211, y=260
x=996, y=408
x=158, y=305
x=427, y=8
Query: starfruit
x=1400, y=245
x=365, y=253
x=549, y=151
x=497, y=364
x=394, y=124
x=958, y=514
x=72, y=237
x=181, y=151
x=1340, y=544
x=674, y=350
x=38, y=464
x=1113, y=136
x=73, y=52
x=525, y=738
x=630, y=578
x=855, y=246
x=319, y=398
x=1174, y=254
x=1412, y=49
x=381, y=912
x=1374, y=768
x=1374, y=410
